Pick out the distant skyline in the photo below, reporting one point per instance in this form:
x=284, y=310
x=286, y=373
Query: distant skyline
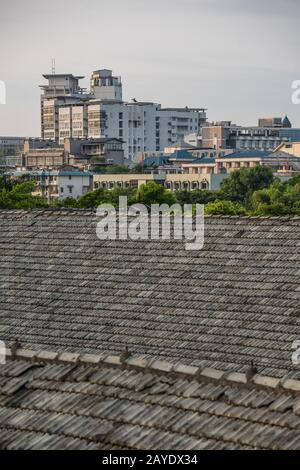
x=236, y=58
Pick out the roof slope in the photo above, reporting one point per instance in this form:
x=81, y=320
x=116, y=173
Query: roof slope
x=235, y=301
x=90, y=402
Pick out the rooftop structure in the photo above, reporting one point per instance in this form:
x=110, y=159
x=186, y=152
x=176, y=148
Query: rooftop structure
x=104, y=86
x=62, y=85
x=274, y=122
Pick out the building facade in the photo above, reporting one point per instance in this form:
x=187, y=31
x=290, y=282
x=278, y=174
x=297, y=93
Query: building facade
x=292, y=148
x=11, y=149
x=266, y=136
x=82, y=153
x=59, y=184
x=174, y=181
x=67, y=111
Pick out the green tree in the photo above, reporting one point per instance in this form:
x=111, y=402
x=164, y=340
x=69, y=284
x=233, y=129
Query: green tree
x=20, y=197
x=137, y=169
x=27, y=187
x=279, y=199
x=198, y=196
x=241, y=184
x=70, y=202
x=224, y=208
x=116, y=169
x=108, y=196
x=6, y=183
x=153, y=193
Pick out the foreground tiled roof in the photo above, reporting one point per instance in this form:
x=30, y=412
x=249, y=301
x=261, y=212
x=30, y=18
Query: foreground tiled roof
x=235, y=301
x=72, y=401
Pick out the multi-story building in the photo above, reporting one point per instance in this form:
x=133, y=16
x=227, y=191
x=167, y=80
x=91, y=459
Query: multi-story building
x=279, y=162
x=143, y=126
x=66, y=182
x=45, y=158
x=69, y=112
x=94, y=153
x=11, y=149
x=61, y=90
x=82, y=153
x=267, y=136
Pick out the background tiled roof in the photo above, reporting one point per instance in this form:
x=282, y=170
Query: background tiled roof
x=235, y=301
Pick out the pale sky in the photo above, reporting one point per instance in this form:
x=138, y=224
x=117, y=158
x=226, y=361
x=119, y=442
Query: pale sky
x=237, y=58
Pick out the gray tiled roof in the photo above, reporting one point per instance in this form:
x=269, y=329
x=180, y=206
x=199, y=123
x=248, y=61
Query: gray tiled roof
x=233, y=302
x=91, y=402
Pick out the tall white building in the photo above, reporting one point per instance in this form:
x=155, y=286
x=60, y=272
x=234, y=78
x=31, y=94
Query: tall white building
x=62, y=90
x=67, y=111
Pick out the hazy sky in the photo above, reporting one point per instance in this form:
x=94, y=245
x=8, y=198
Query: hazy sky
x=237, y=58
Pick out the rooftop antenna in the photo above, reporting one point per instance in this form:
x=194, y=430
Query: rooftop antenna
x=53, y=66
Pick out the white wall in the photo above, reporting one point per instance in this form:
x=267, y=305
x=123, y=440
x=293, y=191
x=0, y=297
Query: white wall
x=77, y=182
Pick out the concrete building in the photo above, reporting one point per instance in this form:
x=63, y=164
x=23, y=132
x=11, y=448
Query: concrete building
x=267, y=136
x=238, y=137
x=11, y=149
x=279, y=162
x=59, y=184
x=67, y=111
x=87, y=153
x=171, y=180
x=61, y=90
x=292, y=148
x=82, y=153
x=179, y=156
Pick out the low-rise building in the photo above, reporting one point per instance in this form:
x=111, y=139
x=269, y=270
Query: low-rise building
x=181, y=156
x=87, y=153
x=11, y=149
x=277, y=161
x=127, y=180
x=192, y=181
x=45, y=158
x=59, y=184
x=292, y=148
x=266, y=136
x=82, y=153
x=174, y=181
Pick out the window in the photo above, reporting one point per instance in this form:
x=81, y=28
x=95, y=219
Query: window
x=61, y=190
x=70, y=177
x=70, y=189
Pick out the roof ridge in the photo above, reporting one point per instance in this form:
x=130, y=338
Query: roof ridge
x=93, y=210
x=251, y=378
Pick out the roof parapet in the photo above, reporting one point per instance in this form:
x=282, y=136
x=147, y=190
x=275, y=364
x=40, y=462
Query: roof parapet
x=251, y=378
